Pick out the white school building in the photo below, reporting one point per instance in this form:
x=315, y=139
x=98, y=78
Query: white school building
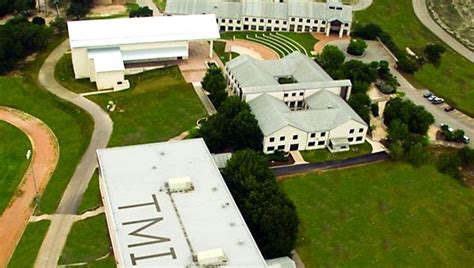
x=298, y=106
x=106, y=50
x=167, y=205
x=270, y=15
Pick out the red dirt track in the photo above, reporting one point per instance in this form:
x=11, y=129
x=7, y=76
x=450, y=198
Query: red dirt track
x=14, y=219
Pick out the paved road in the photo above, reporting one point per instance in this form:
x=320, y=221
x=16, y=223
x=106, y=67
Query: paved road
x=304, y=168
x=455, y=119
x=71, y=199
x=421, y=11
x=151, y=5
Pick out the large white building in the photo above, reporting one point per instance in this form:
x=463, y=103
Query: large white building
x=297, y=104
x=270, y=15
x=107, y=50
x=167, y=205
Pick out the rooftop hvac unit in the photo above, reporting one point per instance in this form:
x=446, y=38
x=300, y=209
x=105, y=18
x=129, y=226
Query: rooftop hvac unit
x=211, y=257
x=180, y=184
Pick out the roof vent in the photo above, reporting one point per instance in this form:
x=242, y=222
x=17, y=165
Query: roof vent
x=211, y=257
x=329, y=106
x=180, y=184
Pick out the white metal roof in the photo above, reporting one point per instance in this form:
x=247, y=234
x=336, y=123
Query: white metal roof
x=154, y=53
x=99, y=33
x=106, y=59
x=133, y=186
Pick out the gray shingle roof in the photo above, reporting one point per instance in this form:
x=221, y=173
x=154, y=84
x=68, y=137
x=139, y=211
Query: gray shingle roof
x=262, y=8
x=326, y=111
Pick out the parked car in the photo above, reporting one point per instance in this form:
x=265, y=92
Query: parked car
x=437, y=101
x=427, y=94
x=449, y=108
x=432, y=97
x=466, y=139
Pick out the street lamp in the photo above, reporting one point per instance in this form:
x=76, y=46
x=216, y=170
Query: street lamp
x=29, y=154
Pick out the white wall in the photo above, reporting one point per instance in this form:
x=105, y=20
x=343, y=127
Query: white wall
x=80, y=62
x=107, y=80
x=345, y=129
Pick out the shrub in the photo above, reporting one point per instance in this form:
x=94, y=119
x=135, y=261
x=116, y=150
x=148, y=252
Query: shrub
x=214, y=82
x=433, y=52
x=356, y=47
x=449, y=164
x=407, y=64
x=141, y=12
x=38, y=21
x=384, y=87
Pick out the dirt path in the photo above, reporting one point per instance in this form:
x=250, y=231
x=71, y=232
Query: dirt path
x=242, y=46
x=45, y=157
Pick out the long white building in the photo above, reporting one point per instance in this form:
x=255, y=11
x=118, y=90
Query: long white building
x=297, y=104
x=106, y=50
x=270, y=15
x=167, y=205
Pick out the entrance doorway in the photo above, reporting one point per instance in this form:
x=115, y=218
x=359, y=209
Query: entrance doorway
x=294, y=147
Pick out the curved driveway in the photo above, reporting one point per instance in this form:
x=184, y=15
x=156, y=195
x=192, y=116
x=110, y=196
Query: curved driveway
x=421, y=11
x=72, y=196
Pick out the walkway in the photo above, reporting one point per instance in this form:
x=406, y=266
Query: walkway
x=45, y=150
x=55, y=239
x=305, y=168
x=455, y=119
x=324, y=40
x=421, y=11
x=253, y=48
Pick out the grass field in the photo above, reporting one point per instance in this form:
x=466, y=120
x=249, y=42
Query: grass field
x=160, y=106
x=383, y=215
x=29, y=245
x=453, y=79
x=13, y=165
x=219, y=49
x=91, y=199
x=87, y=241
x=304, y=39
x=323, y=155
x=64, y=74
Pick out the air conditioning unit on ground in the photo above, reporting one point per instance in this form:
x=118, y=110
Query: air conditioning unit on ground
x=181, y=184
x=211, y=257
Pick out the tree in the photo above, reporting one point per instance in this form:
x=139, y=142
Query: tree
x=369, y=31
x=271, y=217
x=77, y=10
x=24, y=6
x=331, y=60
x=415, y=117
x=38, y=21
x=141, y=12
x=384, y=69
x=397, y=131
x=458, y=134
x=247, y=133
x=356, y=47
x=433, y=52
x=361, y=105
x=59, y=25
x=466, y=155
x=356, y=70
x=214, y=82
x=374, y=108
x=418, y=154
x=448, y=163
x=407, y=64
x=396, y=150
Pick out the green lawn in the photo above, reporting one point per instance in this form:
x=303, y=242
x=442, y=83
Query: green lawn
x=219, y=49
x=91, y=199
x=323, y=155
x=160, y=106
x=29, y=245
x=453, y=79
x=71, y=125
x=161, y=4
x=13, y=164
x=87, y=241
x=383, y=215
x=64, y=74
x=304, y=39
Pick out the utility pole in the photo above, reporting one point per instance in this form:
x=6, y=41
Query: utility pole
x=28, y=156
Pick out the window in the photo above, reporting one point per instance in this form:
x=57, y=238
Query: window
x=323, y=134
x=292, y=19
x=281, y=147
x=351, y=131
x=295, y=137
x=308, y=20
x=246, y=19
x=316, y=21
x=311, y=144
x=269, y=21
x=238, y=21
x=277, y=22
x=272, y=139
x=261, y=20
x=358, y=138
x=270, y=148
x=293, y=94
x=301, y=20
x=285, y=95
x=350, y=139
x=320, y=143
x=361, y=130
x=254, y=19
x=285, y=22
x=301, y=93
x=312, y=135
x=230, y=21
x=282, y=138
x=343, y=147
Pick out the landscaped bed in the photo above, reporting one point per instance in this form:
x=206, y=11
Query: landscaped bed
x=452, y=79
x=160, y=105
x=385, y=214
x=323, y=155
